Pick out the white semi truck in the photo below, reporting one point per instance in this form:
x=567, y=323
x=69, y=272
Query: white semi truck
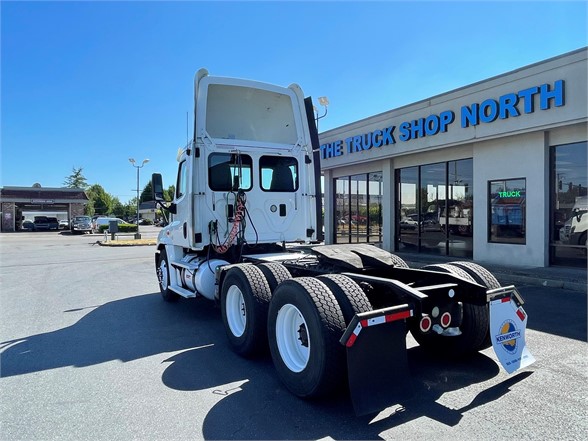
x=248, y=184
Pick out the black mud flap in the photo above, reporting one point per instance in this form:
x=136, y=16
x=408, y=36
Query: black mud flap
x=376, y=359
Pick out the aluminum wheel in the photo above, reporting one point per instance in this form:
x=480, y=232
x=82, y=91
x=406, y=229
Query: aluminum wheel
x=292, y=338
x=163, y=274
x=162, y=270
x=236, y=311
x=244, y=301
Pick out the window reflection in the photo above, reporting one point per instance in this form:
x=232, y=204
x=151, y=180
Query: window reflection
x=435, y=208
x=358, y=208
x=569, y=204
x=507, y=220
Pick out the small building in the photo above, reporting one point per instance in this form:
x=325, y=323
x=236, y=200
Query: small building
x=148, y=210
x=59, y=202
x=495, y=171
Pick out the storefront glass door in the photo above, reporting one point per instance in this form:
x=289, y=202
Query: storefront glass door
x=432, y=193
x=435, y=208
x=569, y=205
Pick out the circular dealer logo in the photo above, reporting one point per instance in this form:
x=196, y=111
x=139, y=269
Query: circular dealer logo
x=508, y=336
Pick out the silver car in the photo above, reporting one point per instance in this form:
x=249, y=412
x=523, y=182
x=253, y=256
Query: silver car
x=81, y=224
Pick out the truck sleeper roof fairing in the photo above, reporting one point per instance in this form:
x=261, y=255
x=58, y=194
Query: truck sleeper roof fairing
x=240, y=113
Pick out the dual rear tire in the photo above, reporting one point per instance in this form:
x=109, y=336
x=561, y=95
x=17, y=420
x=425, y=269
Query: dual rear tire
x=245, y=297
x=300, y=320
x=475, y=320
x=306, y=319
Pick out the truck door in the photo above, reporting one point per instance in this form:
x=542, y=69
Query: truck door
x=182, y=226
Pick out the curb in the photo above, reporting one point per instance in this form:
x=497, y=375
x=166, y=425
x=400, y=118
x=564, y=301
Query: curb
x=126, y=244
x=514, y=279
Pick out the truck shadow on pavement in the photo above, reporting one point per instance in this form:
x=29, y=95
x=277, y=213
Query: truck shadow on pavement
x=269, y=411
x=245, y=394
x=260, y=407
x=125, y=330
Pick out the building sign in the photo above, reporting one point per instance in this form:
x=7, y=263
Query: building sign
x=510, y=105
x=42, y=201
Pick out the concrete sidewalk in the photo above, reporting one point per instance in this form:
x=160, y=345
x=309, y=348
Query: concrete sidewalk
x=556, y=277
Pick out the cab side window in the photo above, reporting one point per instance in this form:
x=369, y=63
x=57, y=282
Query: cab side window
x=182, y=183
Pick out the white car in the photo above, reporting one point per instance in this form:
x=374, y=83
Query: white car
x=105, y=221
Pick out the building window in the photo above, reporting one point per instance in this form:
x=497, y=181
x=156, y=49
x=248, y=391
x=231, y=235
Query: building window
x=435, y=208
x=358, y=208
x=569, y=204
x=507, y=213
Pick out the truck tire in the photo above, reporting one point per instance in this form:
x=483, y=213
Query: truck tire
x=304, y=326
x=351, y=298
x=480, y=274
x=163, y=278
x=474, y=324
x=485, y=278
x=275, y=273
x=245, y=297
x=398, y=261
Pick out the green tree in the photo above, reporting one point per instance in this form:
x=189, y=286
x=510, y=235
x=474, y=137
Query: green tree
x=147, y=193
x=102, y=201
x=76, y=179
x=131, y=208
x=168, y=194
x=89, y=208
x=118, y=209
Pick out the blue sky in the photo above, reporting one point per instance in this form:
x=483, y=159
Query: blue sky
x=90, y=84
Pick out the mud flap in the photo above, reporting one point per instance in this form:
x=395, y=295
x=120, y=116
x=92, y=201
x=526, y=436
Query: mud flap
x=377, y=360
x=508, y=322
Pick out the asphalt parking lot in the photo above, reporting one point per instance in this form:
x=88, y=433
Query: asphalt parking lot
x=89, y=351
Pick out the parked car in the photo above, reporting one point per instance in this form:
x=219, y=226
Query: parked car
x=53, y=223
x=28, y=225
x=105, y=221
x=41, y=223
x=63, y=224
x=81, y=224
x=408, y=224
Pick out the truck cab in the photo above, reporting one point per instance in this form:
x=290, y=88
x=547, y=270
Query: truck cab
x=249, y=162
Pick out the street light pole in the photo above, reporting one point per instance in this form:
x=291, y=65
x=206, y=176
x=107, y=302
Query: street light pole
x=323, y=101
x=132, y=161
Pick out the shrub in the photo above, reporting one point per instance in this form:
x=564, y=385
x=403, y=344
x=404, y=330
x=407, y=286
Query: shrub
x=122, y=228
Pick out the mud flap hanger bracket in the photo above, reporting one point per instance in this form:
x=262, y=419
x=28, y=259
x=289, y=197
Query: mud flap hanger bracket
x=503, y=292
